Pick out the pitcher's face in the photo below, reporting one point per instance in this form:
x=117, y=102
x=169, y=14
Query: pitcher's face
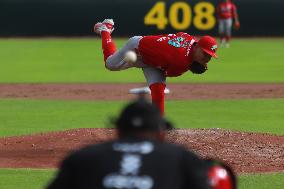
x=201, y=56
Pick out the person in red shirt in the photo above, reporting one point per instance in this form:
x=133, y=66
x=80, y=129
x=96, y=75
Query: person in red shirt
x=159, y=56
x=226, y=14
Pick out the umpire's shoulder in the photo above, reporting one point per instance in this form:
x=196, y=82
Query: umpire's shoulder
x=177, y=150
x=89, y=152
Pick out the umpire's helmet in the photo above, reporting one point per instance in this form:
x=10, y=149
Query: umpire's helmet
x=141, y=115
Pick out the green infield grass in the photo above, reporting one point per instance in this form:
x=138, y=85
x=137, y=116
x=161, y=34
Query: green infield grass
x=13, y=178
x=49, y=60
x=25, y=178
x=20, y=117
x=81, y=60
x=262, y=181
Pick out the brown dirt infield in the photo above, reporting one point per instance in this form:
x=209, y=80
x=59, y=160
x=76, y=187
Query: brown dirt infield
x=120, y=91
x=245, y=152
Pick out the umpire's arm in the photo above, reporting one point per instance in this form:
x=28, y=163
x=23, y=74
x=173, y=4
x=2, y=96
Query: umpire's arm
x=195, y=172
x=66, y=177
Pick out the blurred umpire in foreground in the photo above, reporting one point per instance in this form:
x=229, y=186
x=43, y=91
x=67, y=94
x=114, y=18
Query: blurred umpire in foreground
x=138, y=159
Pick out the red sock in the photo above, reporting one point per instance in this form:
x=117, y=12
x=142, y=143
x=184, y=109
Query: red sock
x=107, y=45
x=158, y=95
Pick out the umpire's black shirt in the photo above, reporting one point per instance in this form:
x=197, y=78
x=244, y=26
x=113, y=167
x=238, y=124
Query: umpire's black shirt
x=131, y=164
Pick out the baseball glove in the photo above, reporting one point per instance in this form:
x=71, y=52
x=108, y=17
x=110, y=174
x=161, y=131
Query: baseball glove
x=197, y=68
x=237, y=25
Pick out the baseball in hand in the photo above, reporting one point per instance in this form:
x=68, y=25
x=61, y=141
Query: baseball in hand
x=130, y=56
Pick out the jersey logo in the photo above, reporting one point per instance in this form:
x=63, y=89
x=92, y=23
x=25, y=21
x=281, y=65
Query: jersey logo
x=140, y=147
x=128, y=176
x=130, y=164
x=176, y=42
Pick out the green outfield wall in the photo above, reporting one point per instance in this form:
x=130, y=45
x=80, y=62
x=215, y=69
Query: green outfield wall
x=132, y=17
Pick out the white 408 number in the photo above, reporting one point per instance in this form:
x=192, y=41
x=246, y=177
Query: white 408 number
x=203, y=20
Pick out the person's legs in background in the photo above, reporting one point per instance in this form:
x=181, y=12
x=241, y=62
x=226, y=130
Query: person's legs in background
x=228, y=31
x=222, y=32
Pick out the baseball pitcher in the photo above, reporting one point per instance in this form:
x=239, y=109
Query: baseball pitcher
x=159, y=56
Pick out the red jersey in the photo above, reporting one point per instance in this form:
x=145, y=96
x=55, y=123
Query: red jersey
x=171, y=53
x=226, y=10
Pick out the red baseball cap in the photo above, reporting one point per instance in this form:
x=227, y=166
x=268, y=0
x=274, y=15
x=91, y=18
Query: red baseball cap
x=209, y=45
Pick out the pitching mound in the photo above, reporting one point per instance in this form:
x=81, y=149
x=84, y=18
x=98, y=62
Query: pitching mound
x=245, y=152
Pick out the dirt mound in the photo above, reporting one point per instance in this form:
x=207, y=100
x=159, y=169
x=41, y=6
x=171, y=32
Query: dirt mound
x=245, y=152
